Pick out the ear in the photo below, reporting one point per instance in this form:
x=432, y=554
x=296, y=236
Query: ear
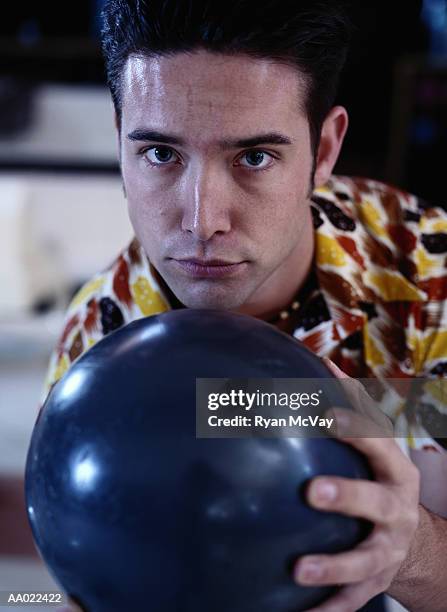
x=332, y=134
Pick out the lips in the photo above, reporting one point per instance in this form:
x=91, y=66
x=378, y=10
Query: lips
x=210, y=262
x=210, y=268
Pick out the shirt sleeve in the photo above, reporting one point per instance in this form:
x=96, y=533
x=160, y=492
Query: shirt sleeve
x=426, y=329
x=123, y=292
x=83, y=327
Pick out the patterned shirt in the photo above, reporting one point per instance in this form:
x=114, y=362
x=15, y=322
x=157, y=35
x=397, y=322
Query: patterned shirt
x=374, y=302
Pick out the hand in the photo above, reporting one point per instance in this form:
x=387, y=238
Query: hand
x=391, y=503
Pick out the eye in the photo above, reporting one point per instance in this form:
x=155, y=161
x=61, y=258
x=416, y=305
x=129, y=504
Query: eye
x=257, y=159
x=159, y=155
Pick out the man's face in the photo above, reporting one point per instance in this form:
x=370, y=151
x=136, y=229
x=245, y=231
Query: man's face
x=199, y=193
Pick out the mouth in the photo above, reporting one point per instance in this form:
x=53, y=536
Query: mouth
x=210, y=262
x=211, y=268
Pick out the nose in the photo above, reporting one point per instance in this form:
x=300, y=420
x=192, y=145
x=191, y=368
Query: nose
x=206, y=205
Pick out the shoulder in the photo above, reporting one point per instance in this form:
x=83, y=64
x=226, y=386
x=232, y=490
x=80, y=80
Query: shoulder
x=379, y=245
x=381, y=207
x=393, y=231
x=371, y=203
x=125, y=291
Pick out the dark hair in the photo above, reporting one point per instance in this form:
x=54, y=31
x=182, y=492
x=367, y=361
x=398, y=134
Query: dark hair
x=311, y=35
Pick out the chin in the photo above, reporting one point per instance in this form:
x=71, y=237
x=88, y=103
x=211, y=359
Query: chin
x=225, y=301
x=209, y=304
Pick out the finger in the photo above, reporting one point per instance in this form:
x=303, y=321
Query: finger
x=368, y=559
x=353, y=597
x=360, y=399
x=336, y=371
x=384, y=455
x=361, y=424
x=360, y=498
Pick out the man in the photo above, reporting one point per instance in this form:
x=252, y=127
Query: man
x=227, y=130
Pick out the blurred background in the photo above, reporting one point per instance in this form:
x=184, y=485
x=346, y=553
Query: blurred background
x=62, y=211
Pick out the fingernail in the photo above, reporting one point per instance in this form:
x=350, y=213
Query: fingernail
x=326, y=492
x=309, y=572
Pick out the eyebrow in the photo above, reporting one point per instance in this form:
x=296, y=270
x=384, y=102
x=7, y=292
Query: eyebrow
x=274, y=138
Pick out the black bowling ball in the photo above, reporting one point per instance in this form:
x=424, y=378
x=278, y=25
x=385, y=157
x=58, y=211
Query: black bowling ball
x=131, y=511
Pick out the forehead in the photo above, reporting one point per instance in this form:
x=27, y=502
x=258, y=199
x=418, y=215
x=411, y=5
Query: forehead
x=211, y=91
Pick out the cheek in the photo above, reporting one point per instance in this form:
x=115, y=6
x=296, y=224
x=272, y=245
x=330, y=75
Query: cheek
x=288, y=193
x=144, y=217
x=146, y=205
x=282, y=227
x=147, y=219
x=286, y=211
